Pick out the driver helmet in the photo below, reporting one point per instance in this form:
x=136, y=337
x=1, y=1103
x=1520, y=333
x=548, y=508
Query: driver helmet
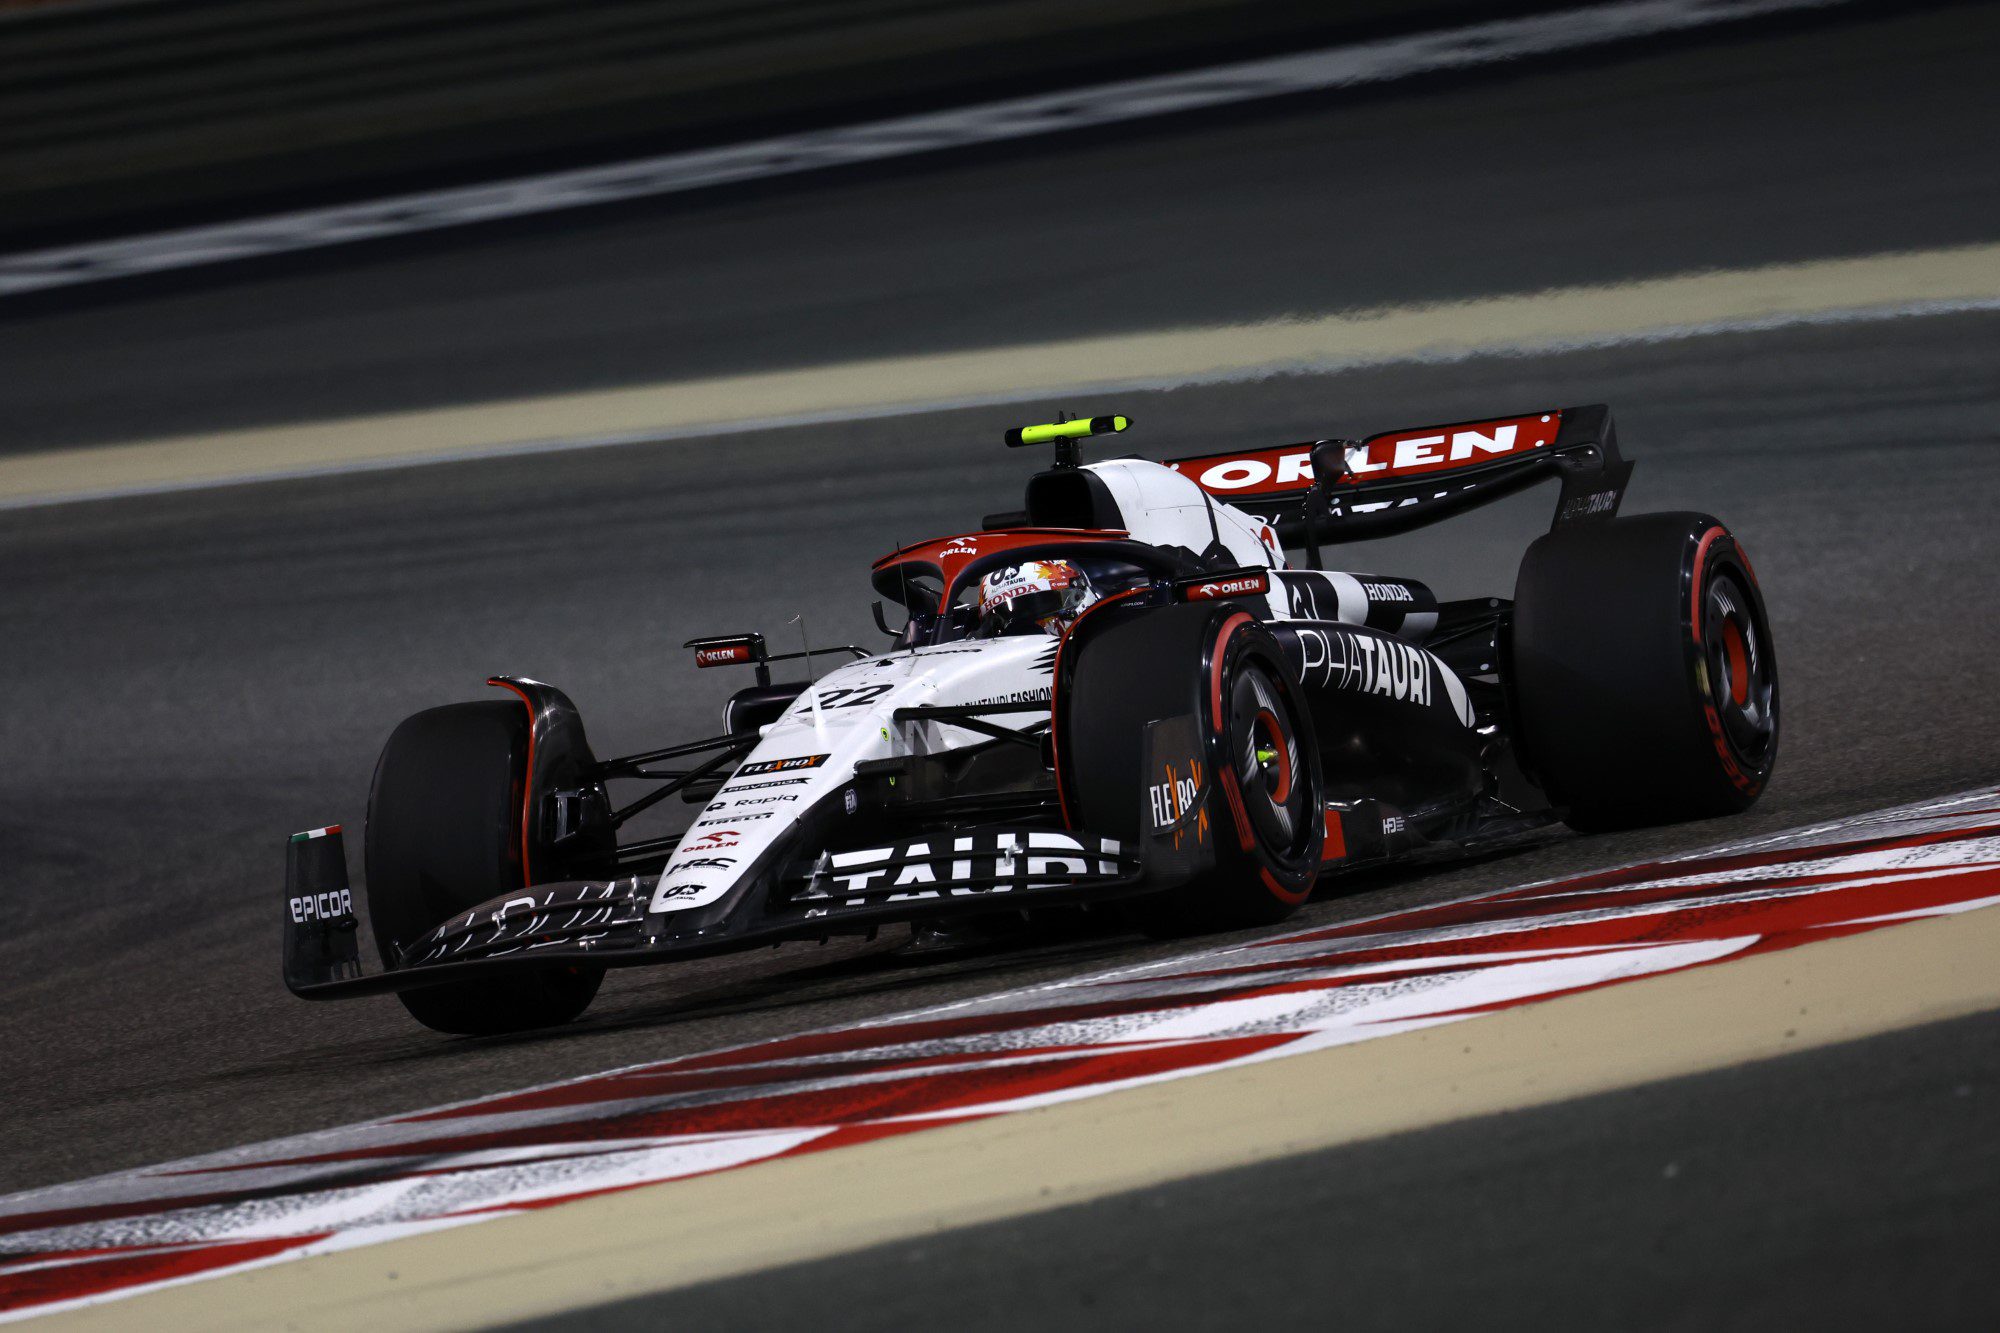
x=1039, y=595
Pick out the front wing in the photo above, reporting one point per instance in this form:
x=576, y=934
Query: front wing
x=606, y=923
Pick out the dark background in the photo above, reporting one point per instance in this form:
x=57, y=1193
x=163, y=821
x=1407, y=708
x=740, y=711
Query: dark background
x=120, y=115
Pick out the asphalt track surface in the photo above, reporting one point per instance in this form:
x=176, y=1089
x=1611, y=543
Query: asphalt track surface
x=193, y=676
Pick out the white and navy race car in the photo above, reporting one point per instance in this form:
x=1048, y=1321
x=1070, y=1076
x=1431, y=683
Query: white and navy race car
x=1126, y=691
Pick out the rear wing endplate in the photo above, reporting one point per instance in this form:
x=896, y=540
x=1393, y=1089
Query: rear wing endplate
x=1325, y=492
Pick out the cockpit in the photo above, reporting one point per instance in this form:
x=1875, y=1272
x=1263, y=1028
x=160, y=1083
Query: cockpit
x=989, y=584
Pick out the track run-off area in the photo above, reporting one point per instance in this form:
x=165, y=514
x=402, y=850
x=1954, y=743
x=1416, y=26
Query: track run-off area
x=1042, y=1052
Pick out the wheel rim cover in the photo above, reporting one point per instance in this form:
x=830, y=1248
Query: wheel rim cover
x=1741, y=682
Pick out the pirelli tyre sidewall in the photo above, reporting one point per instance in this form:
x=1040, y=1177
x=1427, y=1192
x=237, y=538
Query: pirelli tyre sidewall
x=1212, y=662
x=1645, y=675
x=445, y=835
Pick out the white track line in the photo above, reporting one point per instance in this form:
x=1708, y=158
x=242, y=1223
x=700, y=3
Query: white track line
x=1016, y=118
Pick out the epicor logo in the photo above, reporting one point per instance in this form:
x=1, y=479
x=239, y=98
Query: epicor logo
x=323, y=906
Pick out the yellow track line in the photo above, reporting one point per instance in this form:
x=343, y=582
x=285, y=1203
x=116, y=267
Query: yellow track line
x=1871, y=287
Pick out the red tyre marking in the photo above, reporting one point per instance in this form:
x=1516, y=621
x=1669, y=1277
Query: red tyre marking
x=527, y=787
x=1730, y=768
x=1739, y=663
x=1700, y=558
x=1281, y=893
x=1229, y=627
x=1227, y=776
x=1744, y=557
x=1227, y=771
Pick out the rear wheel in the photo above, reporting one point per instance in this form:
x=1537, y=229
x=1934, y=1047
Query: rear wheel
x=445, y=835
x=1645, y=674
x=1262, y=765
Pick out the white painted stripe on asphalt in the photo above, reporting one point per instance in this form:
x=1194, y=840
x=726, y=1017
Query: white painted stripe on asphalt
x=1357, y=65
x=1864, y=289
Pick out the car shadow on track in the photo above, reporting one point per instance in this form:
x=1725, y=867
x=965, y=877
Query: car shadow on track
x=888, y=975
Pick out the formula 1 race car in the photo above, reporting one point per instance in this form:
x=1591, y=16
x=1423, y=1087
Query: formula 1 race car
x=1124, y=691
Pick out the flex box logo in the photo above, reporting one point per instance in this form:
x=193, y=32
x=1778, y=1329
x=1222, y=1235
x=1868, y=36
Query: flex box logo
x=751, y=770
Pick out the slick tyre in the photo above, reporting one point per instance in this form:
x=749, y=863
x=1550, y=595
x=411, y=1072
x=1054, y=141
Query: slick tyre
x=1645, y=676
x=1264, y=810
x=444, y=835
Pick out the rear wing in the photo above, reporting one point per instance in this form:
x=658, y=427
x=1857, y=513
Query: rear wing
x=1325, y=492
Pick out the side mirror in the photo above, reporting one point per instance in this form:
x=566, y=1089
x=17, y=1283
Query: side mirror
x=733, y=650
x=882, y=622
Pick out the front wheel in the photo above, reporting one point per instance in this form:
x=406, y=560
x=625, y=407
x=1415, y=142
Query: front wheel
x=445, y=835
x=1271, y=823
x=1266, y=808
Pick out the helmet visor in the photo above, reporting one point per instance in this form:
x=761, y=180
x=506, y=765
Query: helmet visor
x=1029, y=613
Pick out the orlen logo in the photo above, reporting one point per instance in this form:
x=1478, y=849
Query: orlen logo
x=1396, y=454
x=708, y=657
x=1417, y=452
x=1241, y=585
x=1258, y=472
x=711, y=841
